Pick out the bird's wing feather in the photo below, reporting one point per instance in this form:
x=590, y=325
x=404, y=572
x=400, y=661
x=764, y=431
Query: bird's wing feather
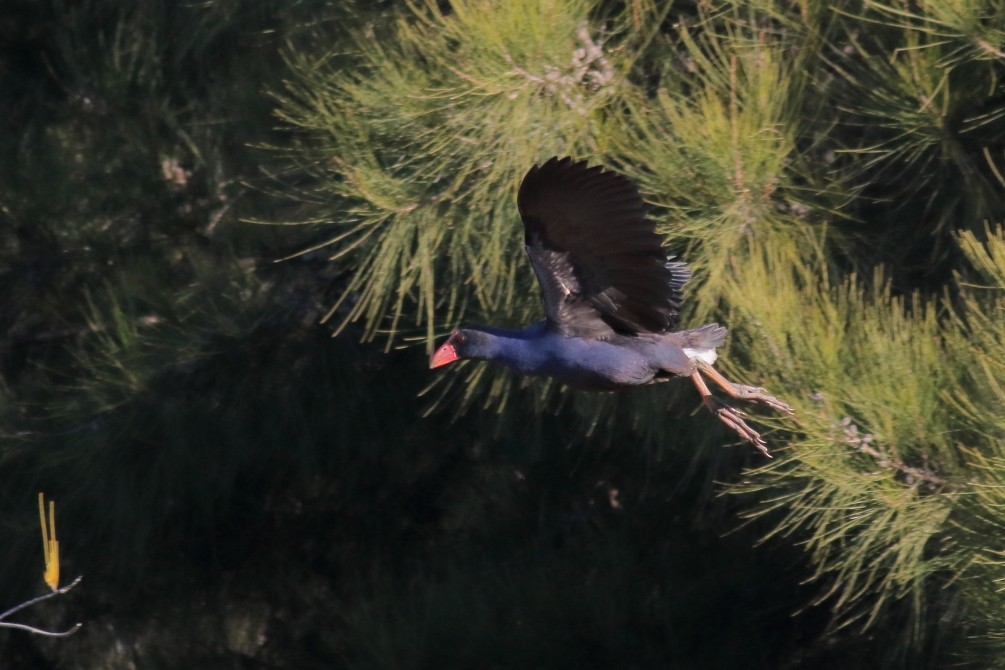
x=600, y=264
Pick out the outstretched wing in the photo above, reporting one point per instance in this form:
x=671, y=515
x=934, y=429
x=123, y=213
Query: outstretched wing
x=600, y=263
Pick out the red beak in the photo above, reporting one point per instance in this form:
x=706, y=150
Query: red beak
x=445, y=354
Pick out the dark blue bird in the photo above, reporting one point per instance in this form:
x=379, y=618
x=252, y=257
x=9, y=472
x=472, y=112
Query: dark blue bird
x=611, y=297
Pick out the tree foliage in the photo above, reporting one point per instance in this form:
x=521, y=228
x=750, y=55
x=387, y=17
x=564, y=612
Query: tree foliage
x=832, y=173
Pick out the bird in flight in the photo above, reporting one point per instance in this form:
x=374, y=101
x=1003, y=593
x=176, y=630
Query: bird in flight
x=611, y=296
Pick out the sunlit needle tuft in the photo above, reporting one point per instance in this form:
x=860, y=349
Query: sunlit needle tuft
x=50, y=546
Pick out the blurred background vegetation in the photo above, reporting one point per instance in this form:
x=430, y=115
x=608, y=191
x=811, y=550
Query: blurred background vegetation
x=240, y=489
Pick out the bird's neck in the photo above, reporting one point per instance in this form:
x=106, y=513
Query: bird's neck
x=518, y=349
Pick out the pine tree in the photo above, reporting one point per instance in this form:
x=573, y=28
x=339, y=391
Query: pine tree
x=832, y=174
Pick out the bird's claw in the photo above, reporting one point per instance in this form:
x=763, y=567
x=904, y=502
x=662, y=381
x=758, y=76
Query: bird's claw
x=728, y=414
x=759, y=395
x=733, y=418
x=777, y=405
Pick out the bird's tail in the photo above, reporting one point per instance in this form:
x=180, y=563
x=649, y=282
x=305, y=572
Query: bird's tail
x=709, y=336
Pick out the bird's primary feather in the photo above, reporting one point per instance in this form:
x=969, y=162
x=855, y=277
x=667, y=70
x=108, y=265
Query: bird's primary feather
x=600, y=263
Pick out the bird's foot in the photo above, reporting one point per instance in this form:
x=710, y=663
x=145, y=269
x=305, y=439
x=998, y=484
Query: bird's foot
x=744, y=392
x=733, y=418
x=759, y=395
x=728, y=414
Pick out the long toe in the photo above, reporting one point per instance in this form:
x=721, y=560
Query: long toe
x=744, y=392
x=734, y=419
x=728, y=414
x=759, y=395
x=775, y=404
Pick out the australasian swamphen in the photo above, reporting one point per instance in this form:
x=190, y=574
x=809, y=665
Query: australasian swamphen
x=611, y=295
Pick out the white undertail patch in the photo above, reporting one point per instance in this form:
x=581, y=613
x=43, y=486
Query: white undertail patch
x=706, y=356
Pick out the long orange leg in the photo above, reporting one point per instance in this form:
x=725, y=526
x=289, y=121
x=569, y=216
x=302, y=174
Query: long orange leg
x=730, y=416
x=742, y=392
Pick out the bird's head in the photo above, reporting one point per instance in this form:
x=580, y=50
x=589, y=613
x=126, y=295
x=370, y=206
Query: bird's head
x=462, y=343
